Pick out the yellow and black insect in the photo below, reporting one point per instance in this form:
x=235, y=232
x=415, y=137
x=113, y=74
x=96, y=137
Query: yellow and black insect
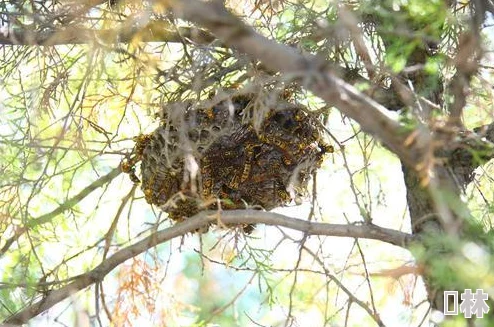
x=207, y=185
x=249, y=157
x=128, y=166
x=234, y=182
x=142, y=140
x=300, y=115
x=281, y=142
x=287, y=160
x=326, y=148
x=242, y=161
x=148, y=195
x=229, y=154
x=209, y=112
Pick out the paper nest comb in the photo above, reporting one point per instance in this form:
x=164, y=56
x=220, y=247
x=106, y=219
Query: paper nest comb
x=200, y=154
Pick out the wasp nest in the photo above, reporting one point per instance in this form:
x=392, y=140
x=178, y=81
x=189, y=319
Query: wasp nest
x=201, y=154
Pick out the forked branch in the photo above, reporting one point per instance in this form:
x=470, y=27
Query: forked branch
x=312, y=73
x=199, y=221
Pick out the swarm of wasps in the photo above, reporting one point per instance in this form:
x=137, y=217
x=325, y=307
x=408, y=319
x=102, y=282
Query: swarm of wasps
x=202, y=157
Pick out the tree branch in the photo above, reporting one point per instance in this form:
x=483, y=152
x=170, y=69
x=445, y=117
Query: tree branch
x=154, y=31
x=159, y=31
x=199, y=221
x=466, y=63
x=312, y=73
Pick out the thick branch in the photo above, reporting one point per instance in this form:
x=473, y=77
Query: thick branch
x=313, y=74
x=159, y=31
x=466, y=63
x=197, y=222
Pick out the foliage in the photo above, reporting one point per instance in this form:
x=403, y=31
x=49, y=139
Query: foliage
x=80, y=81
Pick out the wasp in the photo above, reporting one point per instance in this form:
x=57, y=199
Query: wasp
x=207, y=185
x=283, y=195
x=316, y=135
x=299, y=115
x=302, y=146
x=246, y=171
x=230, y=154
x=249, y=153
x=127, y=166
x=234, y=182
x=248, y=228
x=279, y=142
x=262, y=138
x=148, y=195
x=287, y=160
x=207, y=181
x=142, y=141
x=209, y=113
x=326, y=148
x=133, y=177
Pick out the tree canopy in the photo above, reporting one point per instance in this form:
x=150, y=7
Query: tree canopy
x=146, y=144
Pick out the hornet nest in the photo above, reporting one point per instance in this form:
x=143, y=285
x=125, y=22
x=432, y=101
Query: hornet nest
x=200, y=154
